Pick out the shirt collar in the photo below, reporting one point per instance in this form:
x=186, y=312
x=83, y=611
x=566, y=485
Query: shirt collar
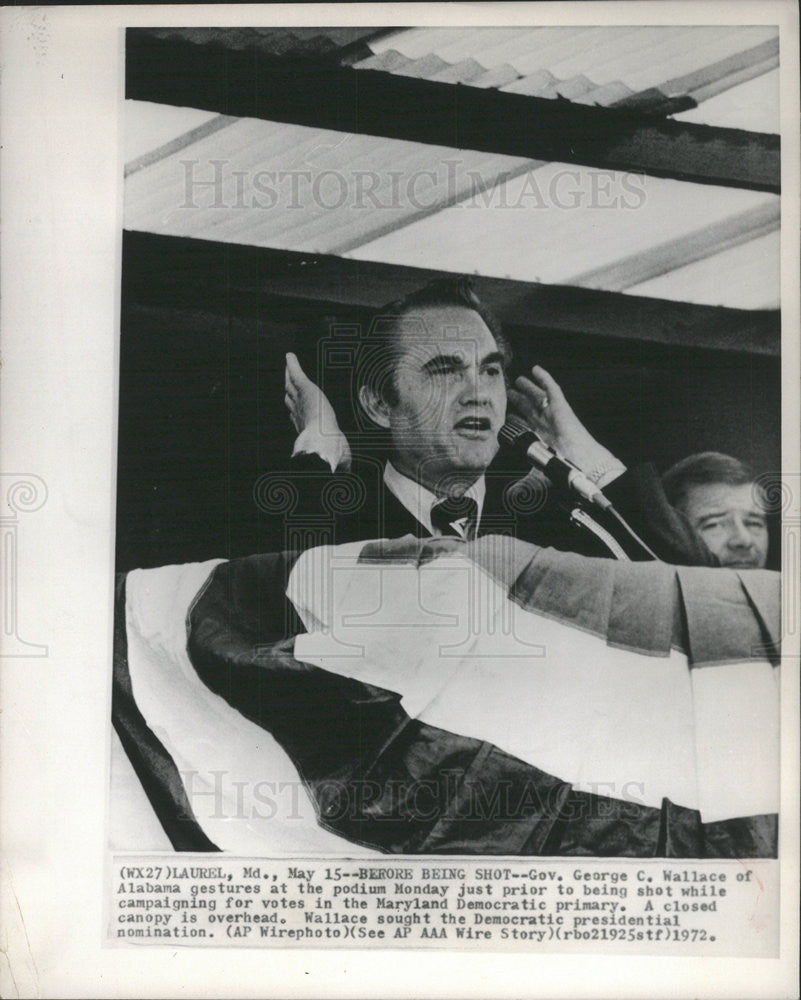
x=419, y=500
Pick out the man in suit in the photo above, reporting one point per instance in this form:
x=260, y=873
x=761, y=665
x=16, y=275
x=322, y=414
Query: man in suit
x=431, y=375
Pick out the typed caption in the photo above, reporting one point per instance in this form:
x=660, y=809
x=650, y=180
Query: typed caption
x=659, y=907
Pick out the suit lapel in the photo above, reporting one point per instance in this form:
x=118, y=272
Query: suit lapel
x=397, y=520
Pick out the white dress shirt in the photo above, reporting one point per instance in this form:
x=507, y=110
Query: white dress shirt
x=418, y=500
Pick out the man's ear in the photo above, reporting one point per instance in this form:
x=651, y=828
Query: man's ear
x=374, y=406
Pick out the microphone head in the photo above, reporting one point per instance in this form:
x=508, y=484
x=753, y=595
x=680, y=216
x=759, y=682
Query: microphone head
x=516, y=434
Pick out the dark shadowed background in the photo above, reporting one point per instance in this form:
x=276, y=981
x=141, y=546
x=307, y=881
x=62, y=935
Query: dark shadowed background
x=205, y=327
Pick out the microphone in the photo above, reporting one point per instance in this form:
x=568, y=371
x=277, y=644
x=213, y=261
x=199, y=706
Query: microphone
x=519, y=437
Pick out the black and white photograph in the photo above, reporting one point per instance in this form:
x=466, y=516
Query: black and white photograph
x=452, y=542
x=444, y=353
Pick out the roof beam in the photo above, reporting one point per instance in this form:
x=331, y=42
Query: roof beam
x=662, y=258
x=249, y=83
x=231, y=277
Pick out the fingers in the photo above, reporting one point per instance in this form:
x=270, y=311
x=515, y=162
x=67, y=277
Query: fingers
x=295, y=375
x=546, y=382
x=528, y=388
x=291, y=406
x=537, y=397
x=519, y=403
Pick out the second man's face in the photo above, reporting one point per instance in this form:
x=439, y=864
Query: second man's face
x=450, y=397
x=730, y=521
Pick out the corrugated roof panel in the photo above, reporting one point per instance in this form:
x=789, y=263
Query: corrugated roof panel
x=493, y=41
x=375, y=199
x=743, y=277
x=389, y=60
x=666, y=256
x=603, y=53
x=534, y=85
x=607, y=95
x=661, y=49
x=294, y=187
x=464, y=71
x=556, y=223
x=753, y=105
x=699, y=50
x=417, y=42
x=148, y=126
x=488, y=46
x=498, y=76
x=621, y=47
x=178, y=185
x=452, y=44
x=274, y=41
x=424, y=68
x=551, y=45
x=616, y=62
x=722, y=75
x=572, y=89
x=527, y=49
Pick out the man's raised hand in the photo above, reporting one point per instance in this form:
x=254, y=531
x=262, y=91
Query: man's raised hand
x=539, y=401
x=313, y=418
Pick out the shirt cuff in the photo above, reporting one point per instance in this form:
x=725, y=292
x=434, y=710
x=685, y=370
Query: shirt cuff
x=608, y=472
x=330, y=448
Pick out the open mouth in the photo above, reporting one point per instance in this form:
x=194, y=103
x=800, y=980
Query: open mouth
x=474, y=425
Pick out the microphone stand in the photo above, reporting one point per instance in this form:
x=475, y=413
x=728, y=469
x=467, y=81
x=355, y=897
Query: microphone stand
x=518, y=436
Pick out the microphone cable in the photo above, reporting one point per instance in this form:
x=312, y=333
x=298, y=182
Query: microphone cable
x=624, y=524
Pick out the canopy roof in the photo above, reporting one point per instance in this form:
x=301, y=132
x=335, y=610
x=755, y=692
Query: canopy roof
x=635, y=160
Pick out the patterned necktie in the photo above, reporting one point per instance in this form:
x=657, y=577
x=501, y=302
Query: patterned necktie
x=457, y=516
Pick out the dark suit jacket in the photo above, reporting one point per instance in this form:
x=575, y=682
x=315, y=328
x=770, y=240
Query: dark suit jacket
x=316, y=507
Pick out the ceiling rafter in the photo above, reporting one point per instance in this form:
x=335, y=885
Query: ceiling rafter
x=246, y=278
x=308, y=92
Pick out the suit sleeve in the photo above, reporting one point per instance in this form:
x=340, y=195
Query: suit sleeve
x=321, y=507
x=639, y=497
x=291, y=505
x=308, y=462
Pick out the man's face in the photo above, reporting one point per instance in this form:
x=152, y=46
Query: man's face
x=450, y=397
x=731, y=522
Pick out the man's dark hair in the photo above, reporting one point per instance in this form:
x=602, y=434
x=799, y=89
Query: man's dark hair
x=700, y=470
x=379, y=350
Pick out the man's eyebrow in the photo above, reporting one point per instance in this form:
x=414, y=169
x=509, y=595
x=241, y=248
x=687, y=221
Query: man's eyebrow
x=724, y=513
x=457, y=360
x=494, y=358
x=442, y=361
